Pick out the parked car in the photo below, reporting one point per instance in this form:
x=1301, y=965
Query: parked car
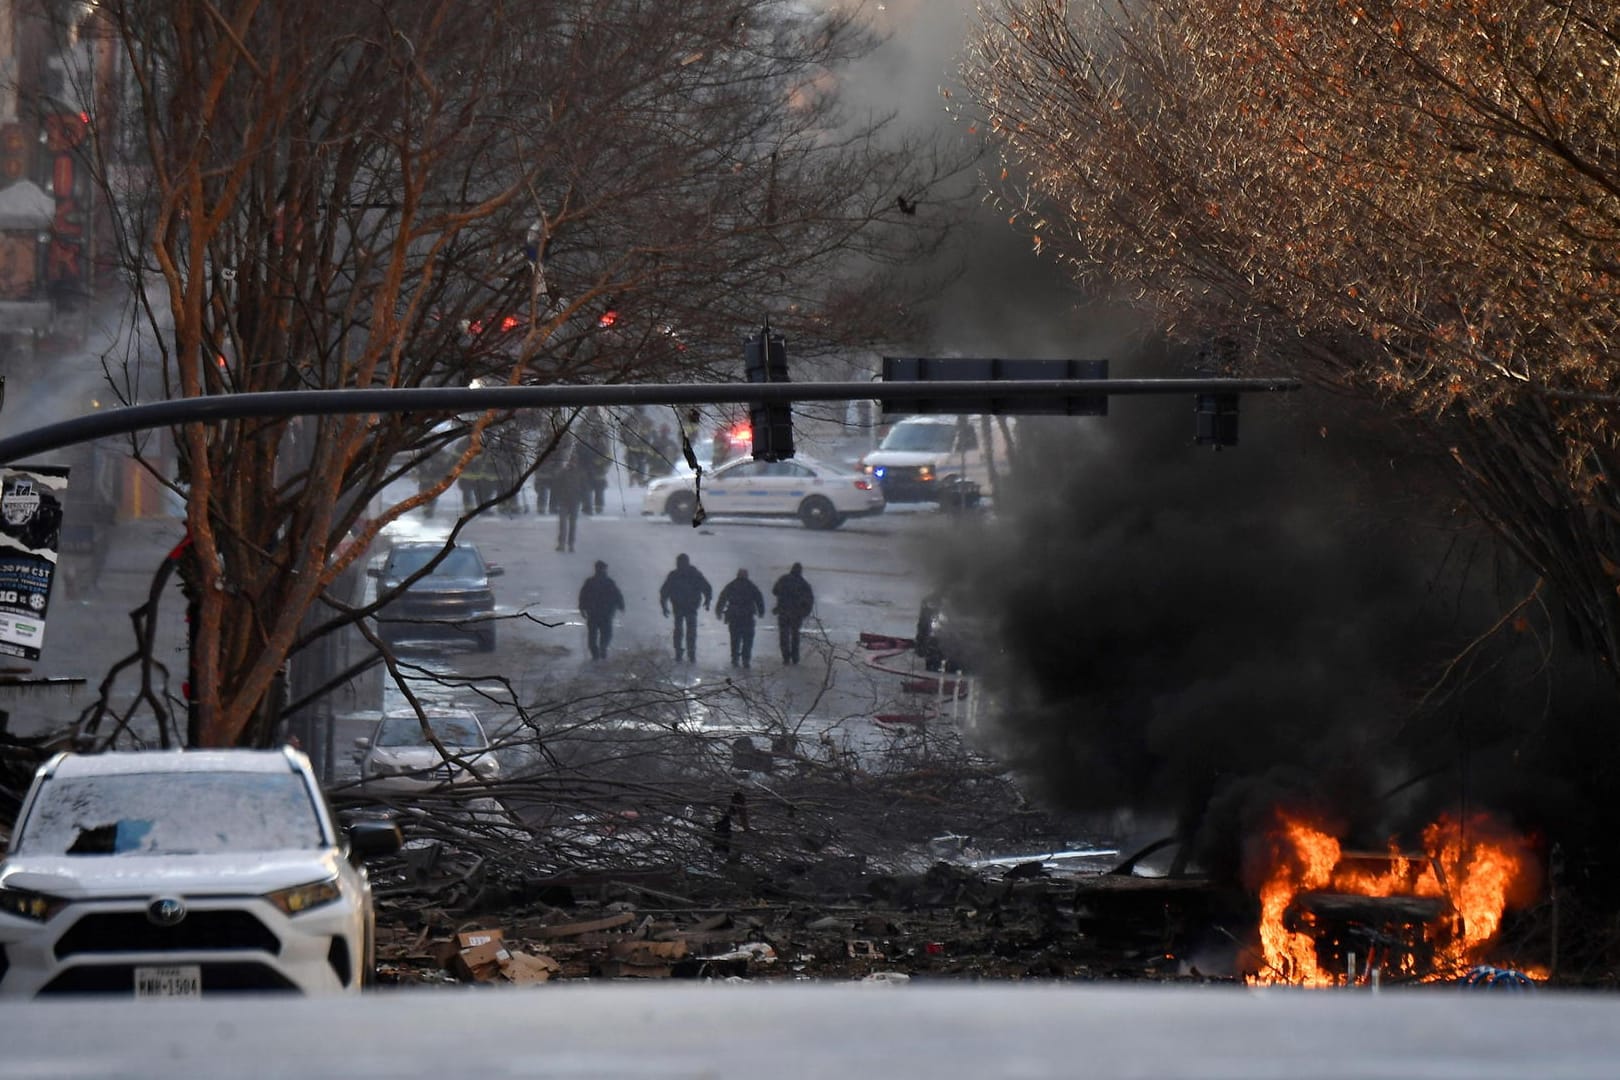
x=454, y=599
x=397, y=758
x=822, y=496
x=177, y=874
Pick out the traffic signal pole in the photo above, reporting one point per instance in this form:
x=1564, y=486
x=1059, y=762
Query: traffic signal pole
x=452, y=400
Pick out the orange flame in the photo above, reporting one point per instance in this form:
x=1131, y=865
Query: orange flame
x=1476, y=870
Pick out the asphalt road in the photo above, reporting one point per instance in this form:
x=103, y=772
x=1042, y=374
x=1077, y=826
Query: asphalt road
x=867, y=577
x=850, y=1030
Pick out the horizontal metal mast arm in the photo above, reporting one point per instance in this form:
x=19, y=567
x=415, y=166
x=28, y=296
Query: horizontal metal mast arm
x=219, y=407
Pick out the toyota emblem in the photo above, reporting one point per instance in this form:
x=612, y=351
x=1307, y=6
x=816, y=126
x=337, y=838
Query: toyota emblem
x=166, y=911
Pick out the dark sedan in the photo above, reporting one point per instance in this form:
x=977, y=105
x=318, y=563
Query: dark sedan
x=454, y=599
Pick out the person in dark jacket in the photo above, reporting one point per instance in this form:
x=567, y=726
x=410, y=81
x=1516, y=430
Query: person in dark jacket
x=683, y=590
x=599, y=600
x=794, y=602
x=568, y=494
x=739, y=605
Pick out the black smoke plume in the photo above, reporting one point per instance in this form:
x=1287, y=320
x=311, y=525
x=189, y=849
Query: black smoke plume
x=1212, y=635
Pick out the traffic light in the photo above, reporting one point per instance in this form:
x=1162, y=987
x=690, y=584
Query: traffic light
x=765, y=361
x=1215, y=420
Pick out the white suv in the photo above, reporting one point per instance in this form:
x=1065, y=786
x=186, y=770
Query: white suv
x=174, y=874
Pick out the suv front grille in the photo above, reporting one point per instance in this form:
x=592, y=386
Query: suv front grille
x=441, y=605
x=130, y=931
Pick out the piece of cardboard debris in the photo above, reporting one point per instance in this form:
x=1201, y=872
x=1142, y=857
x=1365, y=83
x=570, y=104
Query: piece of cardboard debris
x=563, y=930
x=524, y=969
x=480, y=953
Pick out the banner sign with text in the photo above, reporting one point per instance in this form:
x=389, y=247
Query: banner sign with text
x=30, y=533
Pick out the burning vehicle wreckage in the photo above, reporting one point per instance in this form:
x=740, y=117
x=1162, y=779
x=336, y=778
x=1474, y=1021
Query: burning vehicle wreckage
x=1330, y=916
x=654, y=834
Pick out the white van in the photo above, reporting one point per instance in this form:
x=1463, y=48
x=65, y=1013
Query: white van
x=926, y=458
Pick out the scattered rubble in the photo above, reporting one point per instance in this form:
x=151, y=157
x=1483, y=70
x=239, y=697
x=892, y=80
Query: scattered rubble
x=629, y=842
x=949, y=922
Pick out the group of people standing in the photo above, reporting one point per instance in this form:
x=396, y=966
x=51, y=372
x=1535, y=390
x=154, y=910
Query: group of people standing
x=684, y=590
x=568, y=481
x=650, y=450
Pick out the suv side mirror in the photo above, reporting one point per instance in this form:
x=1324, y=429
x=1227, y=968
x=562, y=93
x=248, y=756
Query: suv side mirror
x=494, y=570
x=371, y=838
x=362, y=743
x=374, y=571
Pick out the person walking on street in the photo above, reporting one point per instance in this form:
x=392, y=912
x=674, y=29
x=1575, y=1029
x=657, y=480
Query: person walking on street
x=683, y=590
x=739, y=605
x=794, y=602
x=599, y=600
x=567, y=494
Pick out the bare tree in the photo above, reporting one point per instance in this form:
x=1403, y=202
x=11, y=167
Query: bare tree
x=416, y=194
x=1417, y=202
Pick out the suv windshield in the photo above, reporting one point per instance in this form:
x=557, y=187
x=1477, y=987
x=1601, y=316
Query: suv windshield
x=171, y=813
x=461, y=562
x=923, y=437
x=451, y=730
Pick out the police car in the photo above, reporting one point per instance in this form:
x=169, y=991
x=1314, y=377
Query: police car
x=820, y=495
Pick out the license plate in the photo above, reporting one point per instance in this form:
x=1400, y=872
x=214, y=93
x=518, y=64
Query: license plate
x=180, y=981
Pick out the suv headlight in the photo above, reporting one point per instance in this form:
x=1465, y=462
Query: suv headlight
x=30, y=905
x=301, y=898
